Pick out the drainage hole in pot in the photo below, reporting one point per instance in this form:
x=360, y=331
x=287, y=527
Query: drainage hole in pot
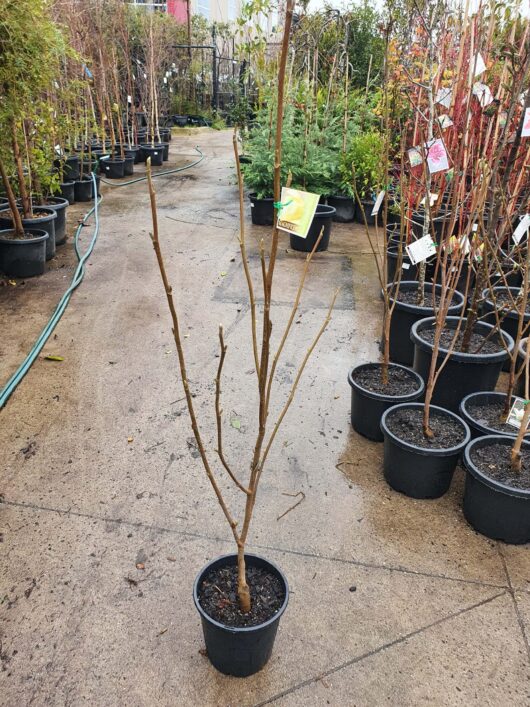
x=494, y=461
x=407, y=425
x=400, y=381
x=479, y=343
x=218, y=596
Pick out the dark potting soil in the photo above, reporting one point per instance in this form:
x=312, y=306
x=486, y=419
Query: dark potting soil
x=494, y=461
x=400, y=382
x=218, y=596
x=489, y=414
x=407, y=425
x=506, y=301
x=12, y=236
x=478, y=343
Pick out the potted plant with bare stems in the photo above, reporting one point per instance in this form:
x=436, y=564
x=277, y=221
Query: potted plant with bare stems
x=241, y=597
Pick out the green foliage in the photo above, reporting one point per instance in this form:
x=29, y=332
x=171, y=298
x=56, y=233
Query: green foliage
x=364, y=163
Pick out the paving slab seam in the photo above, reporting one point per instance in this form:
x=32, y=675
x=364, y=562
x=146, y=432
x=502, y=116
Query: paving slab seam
x=517, y=610
x=256, y=546
x=375, y=651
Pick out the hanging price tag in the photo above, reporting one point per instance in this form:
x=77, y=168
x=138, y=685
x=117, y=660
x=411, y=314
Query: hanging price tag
x=516, y=414
x=526, y=124
x=522, y=228
x=378, y=202
x=421, y=249
x=296, y=211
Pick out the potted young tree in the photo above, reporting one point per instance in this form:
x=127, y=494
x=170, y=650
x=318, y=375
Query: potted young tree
x=240, y=632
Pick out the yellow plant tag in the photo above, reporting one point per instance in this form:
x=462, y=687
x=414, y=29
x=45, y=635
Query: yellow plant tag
x=296, y=211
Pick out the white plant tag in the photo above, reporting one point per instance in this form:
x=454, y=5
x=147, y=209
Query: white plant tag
x=405, y=266
x=437, y=159
x=443, y=96
x=421, y=249
x=526, y=124
x=432, y=198
x=378, y=202
x=516, y=414
x=478, y=65
x=445, y=121
x=129, y=99
x=483, y=93
x=522, y=228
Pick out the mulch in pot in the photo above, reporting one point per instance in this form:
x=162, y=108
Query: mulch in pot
x=494, y=461
x=218, y=596
x=478, y=342
x=400, y=382
x=407, y=425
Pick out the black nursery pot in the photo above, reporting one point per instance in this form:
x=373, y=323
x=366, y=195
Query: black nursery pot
x=155, y=153
x=478, y=427
x=408, y=270
x=368, y=407
x=128, y=166
x=344, y=208
x=59, y=205
x=239, y=651
x=113, y=168
x=419, y=472
x=44, y=222
x=464, y=373
x=83, y=189
x=165, y=148
x=367, y=206
x=70, y=167
x=66, y=191
x=521, y=358
x=261, y=210
x=509, y=318
x=23, y=257
x=322, y=219
x=134, y=152
x=405, y=315
x=491, y=507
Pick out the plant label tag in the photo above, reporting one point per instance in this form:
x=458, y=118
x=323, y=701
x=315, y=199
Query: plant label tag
x=432, y=198
x=483, y=93
x=522, y=228
x=526, y=124
x=516, y=414
x=414, y=156
x=437, y=156
x=421, y=249
x=378, y=202
x=478, y=66
x=129, y=99
x=443, y=97
x=296, y=211
x=444, y=121
x=405, y=266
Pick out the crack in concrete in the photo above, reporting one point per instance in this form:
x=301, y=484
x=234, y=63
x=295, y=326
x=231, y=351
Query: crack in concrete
x=257, y=546
x=512, y=593
x=375, y=651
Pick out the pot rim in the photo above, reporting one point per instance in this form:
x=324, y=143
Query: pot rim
x=62, y=203
x=239, y=629
x=510, y=313
x=408, y=397
x=460, y=356
x=486, y=480
x=426, y=451
x=51, y=215
x=414, y=308
x=467, y=415
x=341, y=197
x=21, y=241
x=324, y=211
x=252, y=196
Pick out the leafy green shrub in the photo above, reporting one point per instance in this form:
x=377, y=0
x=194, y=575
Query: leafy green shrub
x=364, y=163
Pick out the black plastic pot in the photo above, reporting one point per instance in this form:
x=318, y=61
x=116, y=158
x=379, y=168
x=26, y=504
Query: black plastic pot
x=492, y=508
x=155, y=153
x=165, y=134
x=181, y=121
x=134, y=152
x=405, y=315
x=408, y=270
x=511, y=270
x=89, y=166
x=23, y=257
x=113, y=168
x=367, y=408
x=322, y=219
x=261, y=210
x=521, y=358
x=464, y=373
x=344, y=208
x=416, y=471
x=244, y=159
x=59, y=205
x=165, y=147
x=128, y=166
x=239, y=651
x=44, y=222
x=478, y=428
x=66, y=191
x=83, y=189
x=509, y=318
x=367, y=207
x=438, y=224
x=70, y=167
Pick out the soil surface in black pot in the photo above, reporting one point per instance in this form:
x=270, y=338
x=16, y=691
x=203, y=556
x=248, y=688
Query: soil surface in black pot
x=478, y=342
x=218, y=596
x=489, y=415
x=13, y=236
x=406, y=424
x=506, y=300
x=411, y=297
x=400, y=382
x=494, y=462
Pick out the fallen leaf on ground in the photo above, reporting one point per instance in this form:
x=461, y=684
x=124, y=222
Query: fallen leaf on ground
x=54, y=358
x=140, y=566
x=130, y=439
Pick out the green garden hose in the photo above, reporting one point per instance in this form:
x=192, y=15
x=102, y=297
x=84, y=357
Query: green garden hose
x=79, y=274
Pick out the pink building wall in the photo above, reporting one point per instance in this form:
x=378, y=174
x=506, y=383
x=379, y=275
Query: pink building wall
x=178, y=8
